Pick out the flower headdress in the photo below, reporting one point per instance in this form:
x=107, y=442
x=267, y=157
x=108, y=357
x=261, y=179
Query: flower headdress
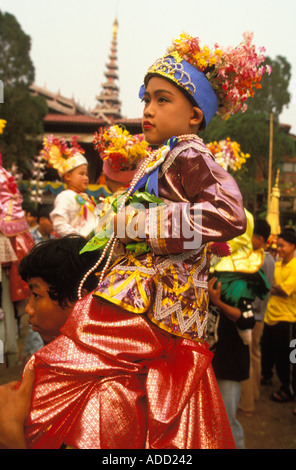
x=228, y=154
x=62, y=157
x=218, y=80
x=121, y=152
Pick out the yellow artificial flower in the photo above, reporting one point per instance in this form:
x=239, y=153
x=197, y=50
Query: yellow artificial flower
x=56, y=158
x=2, y=125
x=218, y=52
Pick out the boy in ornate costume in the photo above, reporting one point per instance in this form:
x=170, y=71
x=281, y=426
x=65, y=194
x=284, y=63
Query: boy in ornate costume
x=15, y=242
x=139, y=373
x=74, y=210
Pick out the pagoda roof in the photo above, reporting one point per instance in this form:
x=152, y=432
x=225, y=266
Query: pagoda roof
x=110, y=85
x=111, y=74
x=108, y=97
x=52, y=118
x=112, y=66
x=72, y=119
x=56, y=102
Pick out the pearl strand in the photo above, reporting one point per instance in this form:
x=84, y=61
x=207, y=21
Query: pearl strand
x=94, y=267
x=188, y=137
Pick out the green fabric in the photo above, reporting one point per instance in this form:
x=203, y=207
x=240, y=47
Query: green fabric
x=235, y=286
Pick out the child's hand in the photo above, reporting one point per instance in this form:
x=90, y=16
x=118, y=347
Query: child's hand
x=120, y=222
x=129, y=225
x=233, y=313
x=215, y=294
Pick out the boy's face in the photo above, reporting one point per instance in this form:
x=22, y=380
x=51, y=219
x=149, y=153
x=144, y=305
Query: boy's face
x=257, y=242
x=46, y=226
x=285, y=249
x=77, y=179
x=167, y=112
x=31, y=219
x=45, y=315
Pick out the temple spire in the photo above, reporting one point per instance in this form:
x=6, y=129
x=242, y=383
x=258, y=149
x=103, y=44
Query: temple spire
x=108, y=106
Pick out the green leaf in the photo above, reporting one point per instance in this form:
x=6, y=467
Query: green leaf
x=138, y=248
x=141, y=197
x=117, y=201
x=95, y=243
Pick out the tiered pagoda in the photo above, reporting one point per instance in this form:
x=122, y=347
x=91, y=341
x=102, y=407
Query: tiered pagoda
x=108, y=106
x=66, y=118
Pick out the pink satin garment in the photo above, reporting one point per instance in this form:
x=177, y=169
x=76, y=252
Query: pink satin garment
x=22, y=244
x=113, y=380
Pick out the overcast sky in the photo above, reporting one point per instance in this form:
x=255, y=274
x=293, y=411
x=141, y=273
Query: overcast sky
x=71, y=39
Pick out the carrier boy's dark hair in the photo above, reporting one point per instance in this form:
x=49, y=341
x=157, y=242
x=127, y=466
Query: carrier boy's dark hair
x=57, y=262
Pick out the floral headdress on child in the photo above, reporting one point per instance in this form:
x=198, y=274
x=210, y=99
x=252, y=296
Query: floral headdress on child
x=121, y=152
x=61, y=156
x=228, y=154
x=218, y=80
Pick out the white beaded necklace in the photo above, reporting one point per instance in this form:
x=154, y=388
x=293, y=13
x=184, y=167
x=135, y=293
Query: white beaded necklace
x=113, y=240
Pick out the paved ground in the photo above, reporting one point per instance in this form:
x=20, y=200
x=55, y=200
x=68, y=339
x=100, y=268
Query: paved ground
x=273, y=425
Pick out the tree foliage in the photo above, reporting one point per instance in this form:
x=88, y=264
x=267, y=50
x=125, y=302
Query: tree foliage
x=274, y=94
x=16, y=66
x=252, y=131
x=23, y=112
x=24, y=115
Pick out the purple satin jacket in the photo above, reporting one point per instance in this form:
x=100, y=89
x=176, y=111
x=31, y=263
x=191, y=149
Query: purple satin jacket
x=169, y=284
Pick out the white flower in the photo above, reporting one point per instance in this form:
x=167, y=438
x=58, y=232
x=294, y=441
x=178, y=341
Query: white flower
x=159, y=158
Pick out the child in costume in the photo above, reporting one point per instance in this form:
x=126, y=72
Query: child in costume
x=74, y=210
x=131, y=368
x=15, y=242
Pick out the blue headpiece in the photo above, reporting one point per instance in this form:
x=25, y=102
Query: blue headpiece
x=189, y=78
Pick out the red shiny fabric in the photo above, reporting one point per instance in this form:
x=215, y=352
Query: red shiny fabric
x=113, y=380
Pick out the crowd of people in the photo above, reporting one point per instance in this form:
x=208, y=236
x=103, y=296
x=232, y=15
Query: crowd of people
x=146, y=332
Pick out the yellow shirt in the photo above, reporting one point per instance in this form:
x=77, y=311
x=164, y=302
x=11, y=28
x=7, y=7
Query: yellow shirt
x=283, y=308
